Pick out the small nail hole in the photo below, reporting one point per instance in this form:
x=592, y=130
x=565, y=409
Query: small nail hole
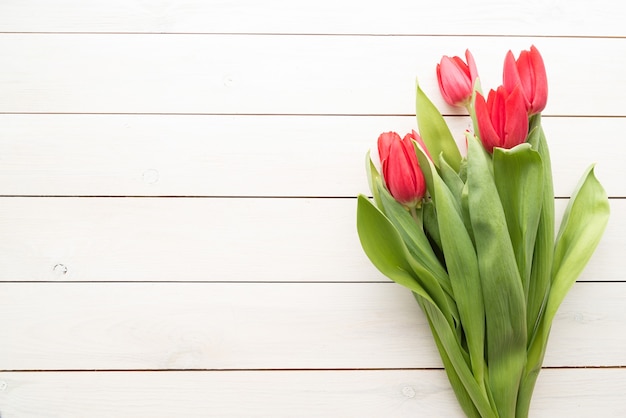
x=60, y=269
x=150, y=176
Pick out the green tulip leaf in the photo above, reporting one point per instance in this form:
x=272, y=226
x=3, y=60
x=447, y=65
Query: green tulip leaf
x=431, y=275
x=372, y=177
x=583, y=224
x=540, y=275
x=470, y=395
x=412, y=234
x=435, y=132
x=503, y=294
x=541, y=270
x=518, y=174
x=432, y=226
x=382, y=244
x=462, y=266
x=451, y=178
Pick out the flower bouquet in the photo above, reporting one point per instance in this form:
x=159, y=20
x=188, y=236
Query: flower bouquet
x=473, y=237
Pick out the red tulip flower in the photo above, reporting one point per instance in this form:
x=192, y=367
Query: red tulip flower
x=456, y=79
x=401, y=171
x=502, y=120
x=529, y=72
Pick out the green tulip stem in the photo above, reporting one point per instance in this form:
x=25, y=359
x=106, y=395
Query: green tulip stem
x=418, y=217
x=471, y=110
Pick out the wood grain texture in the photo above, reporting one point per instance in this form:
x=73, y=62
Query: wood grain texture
x=534, y=17
x=115, y=326
x=229, y=74
x=231, y=282
x=252, y=240
x=577, y=393
x=204, y=155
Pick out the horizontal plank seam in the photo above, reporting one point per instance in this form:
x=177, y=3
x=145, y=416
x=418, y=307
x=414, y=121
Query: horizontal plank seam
x=235, y=281
x=204, y=282
x=374, y=369
x=382, y=115
x=311, y=34
x=59, y=196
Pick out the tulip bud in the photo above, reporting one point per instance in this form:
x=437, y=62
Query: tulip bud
x=529, y=72
x=401, y=171
x=456, y=79
x=502, y=120
x=417, y=138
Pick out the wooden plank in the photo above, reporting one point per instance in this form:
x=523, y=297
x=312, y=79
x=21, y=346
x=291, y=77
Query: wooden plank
x=125, y=73
x=401, y=393
x=576, y=17
x=204, y=155
x=147, y=239
x=130, y=326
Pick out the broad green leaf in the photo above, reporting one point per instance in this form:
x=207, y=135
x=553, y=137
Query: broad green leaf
x=452, y=179
x=432, y=227
x=472, y=105
x=540, y=275
x=413, y=236
x=435, y=132
x=465, y=212
x=462, y=395
x=449, y=345
x=518, y=174
x=536, y=353
x=583, y=224
x=425, y=165
x=383, y=245
x=503, y=295
x=430, y=215
x=462, y=267
x=372, y=177
x=541, y=271
x=430, y=273
x=458, y=188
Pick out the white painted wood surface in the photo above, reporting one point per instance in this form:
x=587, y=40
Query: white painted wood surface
x=235, y=155
x=285, y=394
x=457, y=17
x=156, y=326
x=278, y=74
x=177, y=213
x=235, y=239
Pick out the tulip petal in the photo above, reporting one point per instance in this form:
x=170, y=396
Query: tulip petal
x=417, y=138
x=516, y=125
x=455, y=82
x=527, y=76
x=384, y=143
x=497, y=110
x=540, y=97
x=473, y=70
x=487, y=133
x=399, y=174
x=510, y=75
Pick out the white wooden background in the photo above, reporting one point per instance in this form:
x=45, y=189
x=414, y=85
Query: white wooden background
x=177, y=211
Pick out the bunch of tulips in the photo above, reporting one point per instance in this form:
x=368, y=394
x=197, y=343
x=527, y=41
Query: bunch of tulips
x=473, y=237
